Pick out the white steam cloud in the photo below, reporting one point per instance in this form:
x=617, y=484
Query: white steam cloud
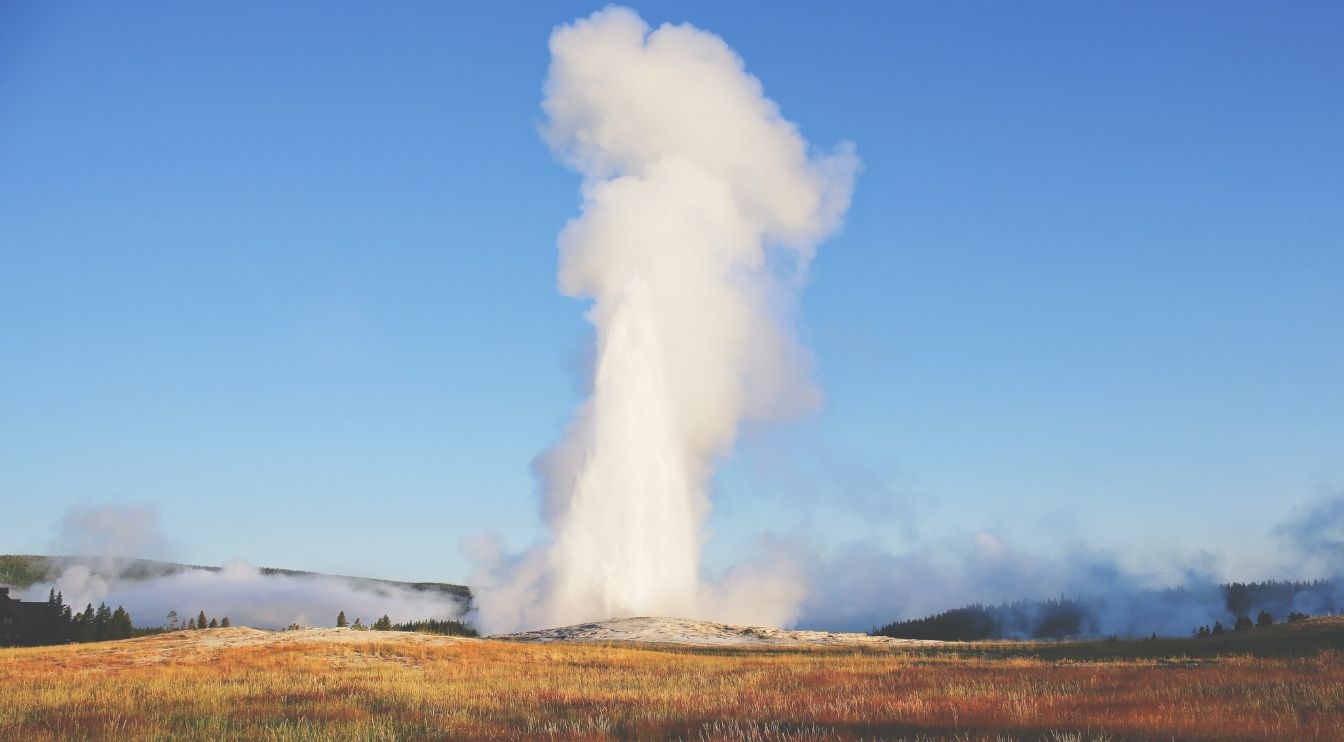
x=248, y=596
x=121, y=530
x=105, y=537
x=702, y=207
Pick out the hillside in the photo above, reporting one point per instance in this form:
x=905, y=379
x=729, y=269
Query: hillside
x=23, y=570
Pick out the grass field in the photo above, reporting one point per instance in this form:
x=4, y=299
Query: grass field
x=1283, y=683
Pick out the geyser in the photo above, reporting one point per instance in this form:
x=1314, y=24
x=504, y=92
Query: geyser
x=701, y=210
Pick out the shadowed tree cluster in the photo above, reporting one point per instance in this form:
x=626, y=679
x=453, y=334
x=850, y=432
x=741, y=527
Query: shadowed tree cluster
x=61, y=624
x=1049, y=619
x=199, y=622
x=446, y=627
x=1069, y=617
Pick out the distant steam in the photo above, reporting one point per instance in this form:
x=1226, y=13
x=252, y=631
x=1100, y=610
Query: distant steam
x=114, y=530
x=701, y=210
x=107, y=537
x=248, y=596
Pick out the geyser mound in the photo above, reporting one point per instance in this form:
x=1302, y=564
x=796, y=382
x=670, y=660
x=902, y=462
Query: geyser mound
x=662, y=630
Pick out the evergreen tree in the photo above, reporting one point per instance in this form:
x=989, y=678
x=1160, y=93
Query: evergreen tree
x=224, y=622
x=119, y=627
x=101, y=620
x=191, y=624
x=172, y=620
x=357, y=626
x=1243, y=623
x=214, y=623
x=56, y=631
x=1217, y=628
x=81, y=625
x=200, y=620
x=383, y=624
x=1264, y=619
x=340, y=620
x=446, y=627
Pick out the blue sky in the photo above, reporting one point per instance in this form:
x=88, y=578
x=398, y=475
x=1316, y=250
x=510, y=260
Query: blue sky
x=287, y=270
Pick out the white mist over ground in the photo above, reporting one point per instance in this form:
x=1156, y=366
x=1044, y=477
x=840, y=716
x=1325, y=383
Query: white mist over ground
x=109, y=534
x=244, y=593
x=701, y=210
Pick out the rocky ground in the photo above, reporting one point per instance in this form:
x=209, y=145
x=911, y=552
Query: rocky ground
x=193, y=644
x=685, y=631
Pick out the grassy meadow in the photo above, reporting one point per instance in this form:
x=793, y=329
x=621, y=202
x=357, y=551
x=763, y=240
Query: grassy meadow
x=1285, y=683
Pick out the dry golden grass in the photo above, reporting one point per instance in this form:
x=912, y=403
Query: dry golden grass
x=239, y=684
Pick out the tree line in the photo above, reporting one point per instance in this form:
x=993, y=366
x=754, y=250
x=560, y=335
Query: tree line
x=1244, y=623
x=446, y=627
x=199, y=622
x=1048, y=619
x=63, y=625
x=1135, y=613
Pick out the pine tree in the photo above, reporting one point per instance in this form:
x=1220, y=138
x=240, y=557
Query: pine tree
x=214, y=624
x=101, y=620
x=383, y=624
x=120, y=625
x=1264, y=619
x=57, y=628
x=191, y=623
x=340, y=620
x=357, y=626
x=172, y=620
x=81, y=625
x=224, y=622
x=200, y=620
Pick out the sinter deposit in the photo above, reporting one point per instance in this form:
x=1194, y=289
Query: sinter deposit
x=709, y=633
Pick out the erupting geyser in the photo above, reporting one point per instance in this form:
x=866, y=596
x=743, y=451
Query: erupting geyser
x=701, y=209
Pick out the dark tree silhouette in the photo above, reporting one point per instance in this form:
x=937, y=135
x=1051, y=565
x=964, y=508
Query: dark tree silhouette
x=119, y=625
x=101, y=619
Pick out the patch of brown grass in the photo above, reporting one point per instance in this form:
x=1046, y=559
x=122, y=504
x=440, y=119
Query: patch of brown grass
x=230, y=684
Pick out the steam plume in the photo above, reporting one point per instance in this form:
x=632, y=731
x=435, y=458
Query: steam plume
x=701, y=210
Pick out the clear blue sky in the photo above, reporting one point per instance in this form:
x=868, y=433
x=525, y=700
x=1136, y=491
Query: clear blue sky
x=287, y=269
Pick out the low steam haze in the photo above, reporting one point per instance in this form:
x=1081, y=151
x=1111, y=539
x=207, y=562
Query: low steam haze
x=852, y=586
x=108, y=543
